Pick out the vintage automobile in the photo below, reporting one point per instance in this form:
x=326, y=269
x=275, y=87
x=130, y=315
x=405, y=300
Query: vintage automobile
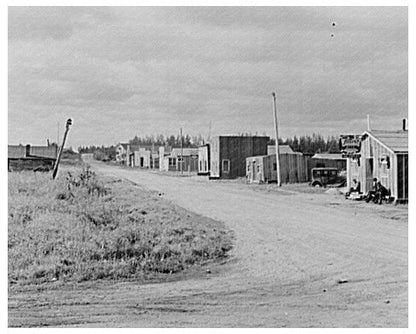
x=328, y=176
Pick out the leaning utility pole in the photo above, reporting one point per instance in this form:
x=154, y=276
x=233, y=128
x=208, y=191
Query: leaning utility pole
x=55, y=168
x=277, y=141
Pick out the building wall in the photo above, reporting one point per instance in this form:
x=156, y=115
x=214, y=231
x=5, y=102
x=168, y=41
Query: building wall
x=372, y=166
x=293, y=168
x=214, y=149
x=142, y=158
x=376, y=161
x=231, y=152
x=203, y=160
x=50, y=151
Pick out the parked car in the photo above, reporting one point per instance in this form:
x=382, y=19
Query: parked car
x=328, y=176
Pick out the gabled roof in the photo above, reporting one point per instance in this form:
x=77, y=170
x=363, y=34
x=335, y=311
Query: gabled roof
x=396, y=141
x=271, y=149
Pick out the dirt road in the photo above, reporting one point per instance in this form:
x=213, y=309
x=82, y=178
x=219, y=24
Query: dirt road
x=291, y=249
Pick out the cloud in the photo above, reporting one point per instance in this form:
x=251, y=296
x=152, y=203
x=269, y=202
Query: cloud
x=151, y=69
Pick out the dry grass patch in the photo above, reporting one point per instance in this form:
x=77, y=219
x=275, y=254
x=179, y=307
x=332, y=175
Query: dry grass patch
x=82, y=228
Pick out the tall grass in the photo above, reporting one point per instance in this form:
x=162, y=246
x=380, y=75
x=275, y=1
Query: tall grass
x=80, y=228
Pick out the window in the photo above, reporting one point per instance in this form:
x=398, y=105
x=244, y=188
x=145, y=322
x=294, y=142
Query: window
x=172, y=162
x=206, y=167
x=200, y=165
x=226, y=166
x=274, y=166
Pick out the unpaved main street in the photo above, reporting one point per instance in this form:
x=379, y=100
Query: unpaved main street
x=291, y=251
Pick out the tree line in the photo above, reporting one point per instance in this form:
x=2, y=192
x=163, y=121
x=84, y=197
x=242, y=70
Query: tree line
x=307, y=144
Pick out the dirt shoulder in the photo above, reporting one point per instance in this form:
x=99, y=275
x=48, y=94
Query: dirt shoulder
x=299, y=260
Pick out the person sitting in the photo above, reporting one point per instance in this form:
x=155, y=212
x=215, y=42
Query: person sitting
x=355, y=188
x=372, y=193
x=381, y=193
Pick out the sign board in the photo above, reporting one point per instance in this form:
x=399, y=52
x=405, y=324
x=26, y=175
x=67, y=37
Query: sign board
x=350, y=146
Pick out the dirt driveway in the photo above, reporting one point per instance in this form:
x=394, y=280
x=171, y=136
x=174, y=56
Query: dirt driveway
x=300, y=260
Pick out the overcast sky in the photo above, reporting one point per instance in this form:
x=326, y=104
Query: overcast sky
x=122, y=71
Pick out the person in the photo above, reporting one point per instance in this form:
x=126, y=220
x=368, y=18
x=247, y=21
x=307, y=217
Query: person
x=355, y=188
x=381, y=193
x=372, y=193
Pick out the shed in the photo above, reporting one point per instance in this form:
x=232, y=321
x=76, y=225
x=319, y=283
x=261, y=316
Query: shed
x=382, y=155
x=293, y=168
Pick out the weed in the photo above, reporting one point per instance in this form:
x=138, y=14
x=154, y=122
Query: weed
x=69, y=229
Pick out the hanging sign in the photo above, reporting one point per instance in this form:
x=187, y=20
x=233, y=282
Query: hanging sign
x=350, y=146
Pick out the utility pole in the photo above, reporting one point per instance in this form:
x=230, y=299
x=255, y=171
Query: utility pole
x=57, y=137
x=181, y=153
x=209, y=132
x=58, y=158
x=277, y=141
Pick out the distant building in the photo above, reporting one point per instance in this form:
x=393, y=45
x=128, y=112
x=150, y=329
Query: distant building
x=141, y=156
x=178, y=159
x=121, y=153
x=31, y=157
x=203, y=160
x=228, y=154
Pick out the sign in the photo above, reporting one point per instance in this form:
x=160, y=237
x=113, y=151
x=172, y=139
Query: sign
x=350, y=146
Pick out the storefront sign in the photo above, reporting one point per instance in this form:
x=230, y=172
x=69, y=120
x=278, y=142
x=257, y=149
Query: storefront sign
x=350, y=146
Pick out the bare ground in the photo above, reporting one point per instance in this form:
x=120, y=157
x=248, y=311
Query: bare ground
x=299, y=260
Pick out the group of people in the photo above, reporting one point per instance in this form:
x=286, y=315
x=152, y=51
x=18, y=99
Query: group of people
x=377, y=193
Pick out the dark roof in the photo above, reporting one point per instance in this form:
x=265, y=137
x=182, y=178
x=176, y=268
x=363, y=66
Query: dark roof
x=396, y=141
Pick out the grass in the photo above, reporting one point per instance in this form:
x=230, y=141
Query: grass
x=80, y=228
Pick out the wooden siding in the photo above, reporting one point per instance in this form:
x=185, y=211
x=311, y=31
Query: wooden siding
x=235, y=149
x=378, y=161
x=203, y=160
x=293, y=168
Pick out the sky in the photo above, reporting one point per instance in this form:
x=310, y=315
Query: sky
x=125, y=71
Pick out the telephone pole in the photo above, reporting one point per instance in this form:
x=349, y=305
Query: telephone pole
x=277, y=141
x=181, y=153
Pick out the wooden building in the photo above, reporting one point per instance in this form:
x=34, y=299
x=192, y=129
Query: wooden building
x=178, y=159
x=228, y=154
x=293, y=168
x=203, y=160
x=382, y=155
x=31, y=157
